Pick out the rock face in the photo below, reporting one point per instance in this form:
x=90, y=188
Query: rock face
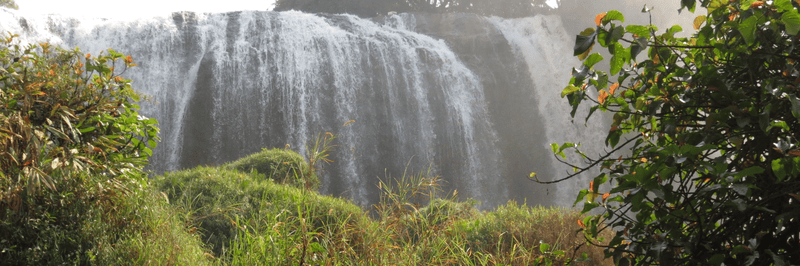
x=453, y=92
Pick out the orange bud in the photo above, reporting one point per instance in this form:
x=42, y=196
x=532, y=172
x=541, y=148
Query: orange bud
x=581, y=223
x=605, y=196
x=757, y=4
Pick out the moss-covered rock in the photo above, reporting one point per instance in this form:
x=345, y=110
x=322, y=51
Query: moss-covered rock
x=281, y=165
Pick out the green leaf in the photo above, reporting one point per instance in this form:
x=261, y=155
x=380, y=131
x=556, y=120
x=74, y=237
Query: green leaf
x=618, y=59
x=615, y=35
x=754, y=170
x=779, y=169
x=613, y=15
x=792, y=21
x=581, y=196
x=544, y=247
x=592, y=60
x=748, y=29
x=613, y=138
x=795, y=105
x=783, y=5
x=639, y=30
x=88, y=129
x=569, y=90
x=675, y=29
x=584, y=41
x=716, y=4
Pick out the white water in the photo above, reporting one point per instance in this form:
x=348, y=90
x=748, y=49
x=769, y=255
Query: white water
x=548, y=53
x=308, y=73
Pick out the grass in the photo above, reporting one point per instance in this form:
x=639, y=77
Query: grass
x=260, y=210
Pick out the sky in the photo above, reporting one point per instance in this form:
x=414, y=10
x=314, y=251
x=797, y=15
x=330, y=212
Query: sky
x=136, y=8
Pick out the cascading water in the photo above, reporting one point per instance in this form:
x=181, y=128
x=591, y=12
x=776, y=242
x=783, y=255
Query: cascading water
x=549, y=58
x=226, y=85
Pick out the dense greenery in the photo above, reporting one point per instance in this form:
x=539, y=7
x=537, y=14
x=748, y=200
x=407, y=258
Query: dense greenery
x=247, y=219
x=703, y=158
x=71, y=145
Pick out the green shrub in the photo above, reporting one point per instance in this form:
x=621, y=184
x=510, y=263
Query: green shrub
x=71, y=145
x=281, y=165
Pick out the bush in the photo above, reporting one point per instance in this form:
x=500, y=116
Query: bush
x=72, y=147
x=708, y=124
x=281, y=165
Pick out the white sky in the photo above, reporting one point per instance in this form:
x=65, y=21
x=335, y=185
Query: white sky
x=136, y=8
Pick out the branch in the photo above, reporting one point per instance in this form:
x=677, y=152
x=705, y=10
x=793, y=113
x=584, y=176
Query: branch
x=590, y=166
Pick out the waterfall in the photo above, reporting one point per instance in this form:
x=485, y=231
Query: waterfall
x=474, y=99
x=548, y=55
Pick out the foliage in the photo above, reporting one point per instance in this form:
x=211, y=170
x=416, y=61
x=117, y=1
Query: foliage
x=708, y=125
x=8, y=4
x=280, y=165
x=71, y=144
x=226, y=204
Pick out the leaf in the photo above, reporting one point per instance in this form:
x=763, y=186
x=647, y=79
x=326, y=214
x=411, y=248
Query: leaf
x=716, y=4
x=613, y=15
x=592, y=60
x=584, y=41
x=698, y=21
x=675, y=29
x=613, y=88
x=792, y=21
x=638, y=30
x=783, y=5
x=795, y=106
x=569, y=90
x=748, y=29
x=599, y=18
x=750, y=171
x=618, y=59
x=602, y=97
x=779, y=169
x=544, y=247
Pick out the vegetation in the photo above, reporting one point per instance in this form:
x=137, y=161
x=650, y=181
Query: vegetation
x=247, y=219
x=73, y=191
x=72, y=146
x=703, y=158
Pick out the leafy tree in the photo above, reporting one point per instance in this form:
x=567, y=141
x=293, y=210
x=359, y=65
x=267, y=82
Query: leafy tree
x=70, y=140
x=8, y=4
x=709, y=128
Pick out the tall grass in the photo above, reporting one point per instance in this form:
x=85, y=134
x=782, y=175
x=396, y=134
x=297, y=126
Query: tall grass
x=261, y=210
x=248, y=219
